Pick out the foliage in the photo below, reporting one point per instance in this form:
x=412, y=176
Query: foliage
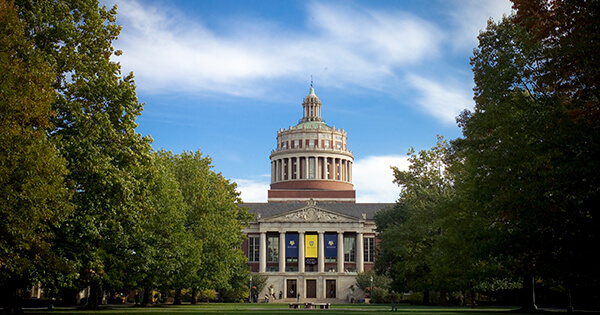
x=363, y=281
x=207, y=294
x=94, y=130
x=213, y=220
x=238, y=288
x=32, y=172
x=410, y=231
x=380, y=296
x=163, y=245
x=530, y=148
x=259, y=281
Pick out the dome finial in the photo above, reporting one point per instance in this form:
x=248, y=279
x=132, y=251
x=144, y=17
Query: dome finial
x=312, y=90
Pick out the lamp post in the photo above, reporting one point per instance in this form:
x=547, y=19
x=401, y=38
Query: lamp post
x=371, y=291
x=250, y=288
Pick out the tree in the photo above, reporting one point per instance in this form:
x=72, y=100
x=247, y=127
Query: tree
x=163, y=245
x=530, y=147
x=214, y=219
x=410, y=230
x=94, y=130
x=259, y=282
x=32, y=172
x=369, y=280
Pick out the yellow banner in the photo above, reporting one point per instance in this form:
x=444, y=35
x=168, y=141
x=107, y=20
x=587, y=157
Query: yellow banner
x=311, y=246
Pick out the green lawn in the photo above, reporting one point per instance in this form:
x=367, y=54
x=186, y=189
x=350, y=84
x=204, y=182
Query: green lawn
x=271, y=309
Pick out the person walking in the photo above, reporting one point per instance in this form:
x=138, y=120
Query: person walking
x=393, y=300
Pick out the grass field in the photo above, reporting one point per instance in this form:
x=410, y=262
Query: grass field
x=272, y=309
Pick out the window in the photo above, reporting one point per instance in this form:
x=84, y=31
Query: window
x=273, y=249
x=369, y=249
x=311, y=168
x=326, y=145
x=349, y=251
x=253, y=248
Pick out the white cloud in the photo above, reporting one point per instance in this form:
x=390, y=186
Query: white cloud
x=169, y=51
x=471, y=16
x=252, y=190
x=444, y=101
x=373, y=178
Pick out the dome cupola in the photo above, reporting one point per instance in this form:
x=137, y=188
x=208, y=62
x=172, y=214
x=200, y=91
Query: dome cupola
x=311, y=160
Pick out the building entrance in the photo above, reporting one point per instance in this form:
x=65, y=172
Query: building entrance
x=311, y=289
x=291, y=289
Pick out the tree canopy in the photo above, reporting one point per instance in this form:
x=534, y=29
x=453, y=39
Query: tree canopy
x=81, y=189
x=32, y=171
x=520, y=197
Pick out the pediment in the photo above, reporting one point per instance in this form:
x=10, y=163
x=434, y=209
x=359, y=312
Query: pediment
x=310, y=213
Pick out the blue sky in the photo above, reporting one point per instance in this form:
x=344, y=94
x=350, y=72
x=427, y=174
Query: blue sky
x=224, y=76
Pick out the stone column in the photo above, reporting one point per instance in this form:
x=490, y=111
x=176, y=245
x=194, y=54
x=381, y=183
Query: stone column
x=300, y=251
x=306, y=166
x=262, y=253
x=321, y=249
x=340, y=252
x=278, y=170
x=360, y=253
x=350, y=172
x=282, y=258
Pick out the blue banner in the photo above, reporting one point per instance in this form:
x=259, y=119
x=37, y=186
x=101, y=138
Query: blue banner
x=330, y=245
x=291, y=245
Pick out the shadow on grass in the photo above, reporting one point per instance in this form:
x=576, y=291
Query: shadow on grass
x=271, y=309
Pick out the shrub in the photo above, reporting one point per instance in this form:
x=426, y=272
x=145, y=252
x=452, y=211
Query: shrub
x=207, y=295
x=380, y=296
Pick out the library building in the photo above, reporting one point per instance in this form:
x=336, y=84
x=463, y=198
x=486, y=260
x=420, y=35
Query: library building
x=311, y=238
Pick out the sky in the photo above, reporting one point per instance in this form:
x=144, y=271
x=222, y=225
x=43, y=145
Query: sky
x=223, y=76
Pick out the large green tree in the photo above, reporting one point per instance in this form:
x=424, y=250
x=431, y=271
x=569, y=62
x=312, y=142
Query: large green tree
x=215, y=220
x=94, y=130
x=409, y=231
x=34, y=197
x=163, y=246
x=530, y=147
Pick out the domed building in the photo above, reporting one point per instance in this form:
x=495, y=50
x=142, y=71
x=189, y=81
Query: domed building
x=311, y=238
x=312, y=160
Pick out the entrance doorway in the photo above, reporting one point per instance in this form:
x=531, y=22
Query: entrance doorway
x=330, y=289
x=291, y=289
x=311, y=289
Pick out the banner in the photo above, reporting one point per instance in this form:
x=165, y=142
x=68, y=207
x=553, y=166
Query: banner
x=331, y=245
x=311, y=246
x=291, y=245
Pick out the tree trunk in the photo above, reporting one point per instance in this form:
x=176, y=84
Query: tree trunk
x=11, y=299
x=443, y=297
x=473, y=299
x=147, y=298
x=528, y=303
x=94, y=298
x=194, y=296
x=426, y=297
x=177, y=298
